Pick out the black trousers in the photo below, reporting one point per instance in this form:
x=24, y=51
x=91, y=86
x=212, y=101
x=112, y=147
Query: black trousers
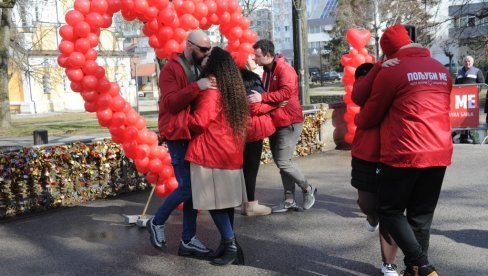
x=252, y=159
x=407, y=200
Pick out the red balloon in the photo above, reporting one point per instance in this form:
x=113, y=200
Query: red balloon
x=152, y=177
x=348, y=89
x=246, y=48
x=224, y=18
x=171, y=46
x=66, y=47
x=99, y=6
x=82, y=29
x=63, y=61
x=157, y=152
x=161, y=191
x=349, y=117
x=90, y=82
x=155, y=165
x=358, y=38
x=351, y=127
x=142, y=150
x=82, y=6
x=187, y=7
x=127, y=5
x=166, y=172
x=93, y=38
x=347, y=98
x=114, y=6
x=172, y=184
x=104, y=86
x=118, y=119
x=76, y=86
x=187, y=21
x=235, y=33
x=89, y=96
x=140, y=6
x=221, y=6
x=245, y=23
x=357, y=60
x=167, y=16
x=153, y=41
x=153, y=26
x=204, y=24
x=67, y=32
x=201, y=10
x=165, y=33
x=130, y=148
x=232, y=5
x=179, y=34
x=247, y=35
x=75, y=75
x=82, y=45
x=117, y=134
x=348, y=138
x=91, y=54
x=73, y=17
x=151, y=13
x=211, y=6
x=159, y=4
x=352, y=108
x=90, y=67
x=142, y=164
x=346, y=60
x=90, y=107
x=214, y=19
x=131, y=119
x=104, y=100
x=114, y=89
x=140, y=123
x=117, y=104
x=104, y=116
x=130, y=134
x=95, y=20
x=107, y=20
x=128, y=15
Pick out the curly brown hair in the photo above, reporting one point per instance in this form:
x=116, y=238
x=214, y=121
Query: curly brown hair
x=221, y=65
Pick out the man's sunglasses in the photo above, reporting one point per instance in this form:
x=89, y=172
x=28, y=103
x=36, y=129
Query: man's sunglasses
x=202, y=49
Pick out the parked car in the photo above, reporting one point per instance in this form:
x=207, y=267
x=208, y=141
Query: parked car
x=330, y=76
x=141, y=94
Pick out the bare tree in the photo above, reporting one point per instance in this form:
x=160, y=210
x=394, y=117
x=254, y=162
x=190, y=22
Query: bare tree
x=249, y=6
x=5, y=24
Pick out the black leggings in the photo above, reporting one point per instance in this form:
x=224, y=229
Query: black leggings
x=252, y=159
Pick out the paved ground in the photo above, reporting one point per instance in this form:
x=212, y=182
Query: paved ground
x=329, y=239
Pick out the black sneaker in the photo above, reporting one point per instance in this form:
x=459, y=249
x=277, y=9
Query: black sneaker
x=194, y=248
x=285, y=206
x=157, y=238
x=309, y=198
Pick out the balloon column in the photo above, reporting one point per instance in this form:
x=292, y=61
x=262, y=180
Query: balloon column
x=166, y=24
x=356, y=56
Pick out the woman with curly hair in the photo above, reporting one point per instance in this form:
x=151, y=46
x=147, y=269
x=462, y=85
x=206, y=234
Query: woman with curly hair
x=218, y=123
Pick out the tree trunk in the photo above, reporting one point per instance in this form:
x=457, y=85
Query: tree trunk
x=5, y=19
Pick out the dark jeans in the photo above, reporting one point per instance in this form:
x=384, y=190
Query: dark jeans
x=416, y=191
x=177, y=150
x=224, y=220
x=252, y=159
x=282, y=144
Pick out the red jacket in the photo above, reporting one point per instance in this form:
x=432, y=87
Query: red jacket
x=366, y=144
x=411, y=102
x=213, y=144
x=260, y=124
x=174, y=105
x=283, y=86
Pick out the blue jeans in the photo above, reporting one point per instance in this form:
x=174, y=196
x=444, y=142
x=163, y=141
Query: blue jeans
x=177, y=150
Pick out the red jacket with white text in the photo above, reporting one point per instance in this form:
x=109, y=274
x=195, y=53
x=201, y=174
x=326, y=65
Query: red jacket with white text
x=176, y=94
x=411, y=102
x=213, y=144
x=283, y=86
x=366, y=144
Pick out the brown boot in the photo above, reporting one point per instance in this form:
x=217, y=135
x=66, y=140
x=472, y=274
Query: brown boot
x=253, y=208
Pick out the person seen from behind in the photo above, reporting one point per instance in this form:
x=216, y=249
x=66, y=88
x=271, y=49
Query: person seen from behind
x=218, y=124
x=416, y=146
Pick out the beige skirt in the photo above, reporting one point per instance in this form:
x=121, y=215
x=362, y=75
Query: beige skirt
x=214, y=189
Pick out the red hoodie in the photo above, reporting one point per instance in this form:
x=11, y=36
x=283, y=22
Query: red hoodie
x=411, y=102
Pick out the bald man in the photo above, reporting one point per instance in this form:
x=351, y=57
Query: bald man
x=179, y=86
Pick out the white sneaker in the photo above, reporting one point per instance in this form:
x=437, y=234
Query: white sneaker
x=372, y=228
x=389, y=269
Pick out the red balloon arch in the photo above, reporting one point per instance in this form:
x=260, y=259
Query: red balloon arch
x=356, y=56
x=166, y=24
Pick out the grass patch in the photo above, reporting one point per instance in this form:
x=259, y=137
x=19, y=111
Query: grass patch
x=61, y=124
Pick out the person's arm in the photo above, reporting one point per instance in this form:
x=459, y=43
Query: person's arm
x=257, y=109
x=205, y=111
x=379, y=102
x=363, y=85
x=174, y=98
x=479, y=77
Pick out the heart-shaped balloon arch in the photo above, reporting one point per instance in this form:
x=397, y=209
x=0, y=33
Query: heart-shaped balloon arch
x=166, y=24
x=356, y=56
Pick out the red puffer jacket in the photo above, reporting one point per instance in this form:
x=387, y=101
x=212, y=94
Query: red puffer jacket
x=213, y=144
x=283, y=86
x=411, y=101
x=366, y=144
x=174, y=104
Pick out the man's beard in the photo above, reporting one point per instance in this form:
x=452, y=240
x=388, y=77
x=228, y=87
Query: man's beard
x=197, y=61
